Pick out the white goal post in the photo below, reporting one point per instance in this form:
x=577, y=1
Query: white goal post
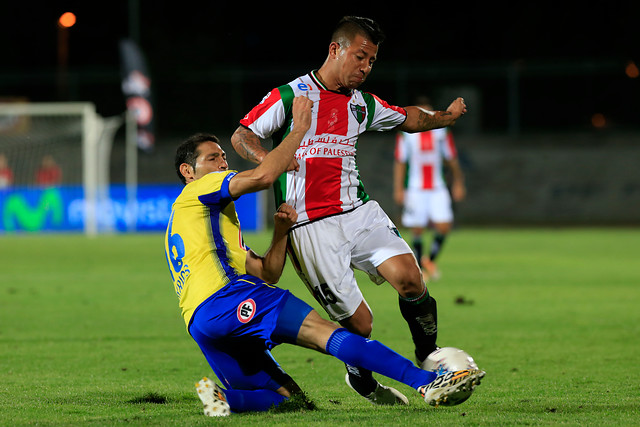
x=77, y=134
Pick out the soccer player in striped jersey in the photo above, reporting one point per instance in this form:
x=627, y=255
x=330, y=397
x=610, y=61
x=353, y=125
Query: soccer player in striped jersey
x=229, y=302
x=420, y=188
x=339, y=227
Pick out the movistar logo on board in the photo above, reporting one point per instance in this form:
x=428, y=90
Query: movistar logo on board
x=19, y=214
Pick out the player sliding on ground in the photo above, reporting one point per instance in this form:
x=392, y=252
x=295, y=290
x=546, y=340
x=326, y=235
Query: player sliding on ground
x=231, y=307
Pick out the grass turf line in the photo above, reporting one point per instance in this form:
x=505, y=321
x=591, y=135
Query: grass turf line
x=90, y=333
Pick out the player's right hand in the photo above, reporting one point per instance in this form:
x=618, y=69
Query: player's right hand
x=301, y=111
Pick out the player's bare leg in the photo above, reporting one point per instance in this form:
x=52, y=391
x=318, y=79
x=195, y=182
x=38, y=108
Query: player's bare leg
x=428, y=263
x=361, y=322
x=416, y=244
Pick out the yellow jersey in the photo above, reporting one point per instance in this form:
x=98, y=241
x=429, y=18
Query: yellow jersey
x=203, y=243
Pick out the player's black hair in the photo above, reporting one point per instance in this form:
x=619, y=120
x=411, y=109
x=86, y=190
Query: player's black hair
x=187, y=152
x=349, y=26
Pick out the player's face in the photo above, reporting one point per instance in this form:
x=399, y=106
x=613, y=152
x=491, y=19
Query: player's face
x=356, y=61
x=211, y=158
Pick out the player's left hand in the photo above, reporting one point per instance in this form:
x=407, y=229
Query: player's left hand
x=457, y=108
x=285, y=217
x=458, y=191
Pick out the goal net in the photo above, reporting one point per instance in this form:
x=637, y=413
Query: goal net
x=54, y=166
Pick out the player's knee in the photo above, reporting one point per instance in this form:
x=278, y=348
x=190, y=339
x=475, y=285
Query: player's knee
x=362, y=329
x=443, y=227
x=359, y=324
x=410, y=285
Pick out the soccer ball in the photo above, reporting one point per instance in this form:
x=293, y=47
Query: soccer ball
x=447, y=359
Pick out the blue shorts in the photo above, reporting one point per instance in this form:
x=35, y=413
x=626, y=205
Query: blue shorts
x=237, y=326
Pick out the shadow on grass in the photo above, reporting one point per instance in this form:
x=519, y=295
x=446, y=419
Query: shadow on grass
x=150, y=397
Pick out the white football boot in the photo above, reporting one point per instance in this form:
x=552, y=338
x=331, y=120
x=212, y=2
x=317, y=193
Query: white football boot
x=452, y=387
x=213, y=398
x=382, y=395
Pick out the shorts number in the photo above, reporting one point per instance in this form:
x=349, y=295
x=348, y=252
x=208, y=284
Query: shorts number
x=324, y=295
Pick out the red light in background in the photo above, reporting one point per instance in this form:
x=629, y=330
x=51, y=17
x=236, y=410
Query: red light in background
x=598, y=120
x=631, y=70
x=67, y=20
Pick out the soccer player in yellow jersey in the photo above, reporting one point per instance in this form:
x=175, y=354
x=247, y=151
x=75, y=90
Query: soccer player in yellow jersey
x=226, y=292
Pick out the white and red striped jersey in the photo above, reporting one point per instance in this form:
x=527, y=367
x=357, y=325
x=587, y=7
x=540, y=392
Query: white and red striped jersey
x=328, y=181
x=423, y=153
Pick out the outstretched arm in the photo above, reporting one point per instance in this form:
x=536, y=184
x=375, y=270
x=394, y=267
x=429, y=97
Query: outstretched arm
x=420, y=120
x=458, y=188
x=249, y=147
x=269, y=266
x=274, y=163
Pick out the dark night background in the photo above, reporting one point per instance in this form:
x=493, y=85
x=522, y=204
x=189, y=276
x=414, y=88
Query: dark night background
x=534, y=75
x=211, y=61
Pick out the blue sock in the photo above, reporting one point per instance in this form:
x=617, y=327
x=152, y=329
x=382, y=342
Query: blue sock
x=375, y=356
x=252, y=400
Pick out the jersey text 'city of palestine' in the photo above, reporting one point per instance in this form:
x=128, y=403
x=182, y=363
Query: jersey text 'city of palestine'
x=328, y=181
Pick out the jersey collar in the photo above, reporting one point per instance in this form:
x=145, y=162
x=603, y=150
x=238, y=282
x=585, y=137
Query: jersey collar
x=314, y=76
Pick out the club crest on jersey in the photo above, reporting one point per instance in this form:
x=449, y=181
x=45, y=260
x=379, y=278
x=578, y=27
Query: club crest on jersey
x=246, y=310
x=358, y=111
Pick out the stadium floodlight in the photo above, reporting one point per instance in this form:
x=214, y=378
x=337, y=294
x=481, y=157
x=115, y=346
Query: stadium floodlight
x=67, y=20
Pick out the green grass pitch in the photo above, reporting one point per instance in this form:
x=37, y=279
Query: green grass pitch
x=90, y=334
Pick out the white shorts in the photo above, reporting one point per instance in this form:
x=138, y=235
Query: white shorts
x=424, y=206
x=326, y=251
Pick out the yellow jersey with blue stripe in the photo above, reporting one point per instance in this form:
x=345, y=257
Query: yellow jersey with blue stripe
x=203, y=243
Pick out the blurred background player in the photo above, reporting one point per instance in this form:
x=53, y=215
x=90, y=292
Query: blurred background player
x=229, y=303
x=339, y=227
x=6, y=174
x=420, y=187
x=48, y=173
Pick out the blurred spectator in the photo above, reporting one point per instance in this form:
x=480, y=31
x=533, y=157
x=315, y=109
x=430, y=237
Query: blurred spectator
x=49, y=173
x=6, y=174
